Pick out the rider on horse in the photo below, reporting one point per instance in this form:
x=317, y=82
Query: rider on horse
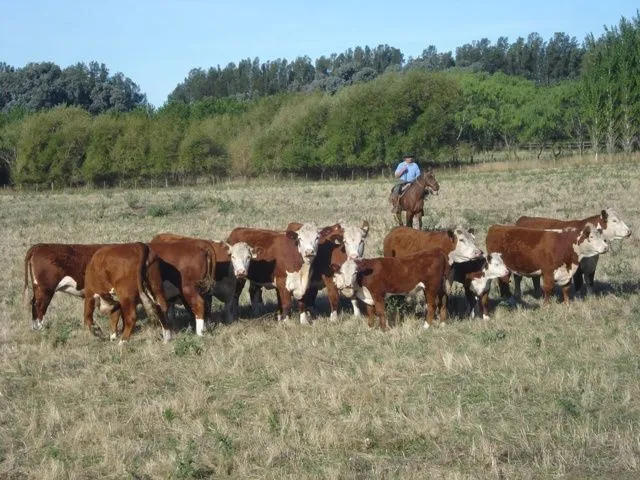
x=407, y=171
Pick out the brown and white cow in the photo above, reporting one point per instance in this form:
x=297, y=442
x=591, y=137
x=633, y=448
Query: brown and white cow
x=232, y=263
x=283, y=262
x=613, y=228
x=334, y=250
x=475, y=276
x=553, y=254
x=117, y=278
x=371, y=280
x=51, y=268
x=188, y=275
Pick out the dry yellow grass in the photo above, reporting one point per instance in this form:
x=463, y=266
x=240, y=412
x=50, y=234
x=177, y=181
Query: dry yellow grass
x=533, y=393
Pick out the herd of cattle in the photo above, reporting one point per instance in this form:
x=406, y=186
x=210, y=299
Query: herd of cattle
x=302, y=259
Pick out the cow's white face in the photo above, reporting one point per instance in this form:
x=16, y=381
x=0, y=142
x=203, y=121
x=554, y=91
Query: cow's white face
x=354, y=240
x=616, y=228
x=495, y=267
x=590, y=242
x=466, y=248
x=346, y=278
x=308, y=238
x=241, y=254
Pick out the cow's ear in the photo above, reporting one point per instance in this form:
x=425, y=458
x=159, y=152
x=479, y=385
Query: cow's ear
x=604, y=214
x=227, y=246
x=365, y=228
x=292, y=235
x=256, y=252
x=472, y=231
x=451, y=234
x=586, y=231
x=335, y=268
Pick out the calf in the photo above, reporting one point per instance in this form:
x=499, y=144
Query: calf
x=117, y=278
x=334, y=250
x=51, y=268
x=552, y=254
x=232, y=263
x=283, y=262
x=475, y=276
x=187, y=271
x=613, y=227
x=458, y=244
x=372, y=279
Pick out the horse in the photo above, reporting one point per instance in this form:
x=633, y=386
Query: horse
x=412, y=199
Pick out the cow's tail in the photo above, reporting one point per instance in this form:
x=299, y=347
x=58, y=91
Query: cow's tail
x=206, y=284
x=146, y=292
x=28, y=278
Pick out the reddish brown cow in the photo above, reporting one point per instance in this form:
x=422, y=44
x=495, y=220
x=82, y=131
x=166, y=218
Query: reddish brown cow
x=51, y=268
x=232, y=263
x=552, y=254
x=613, y=227
x=371, y=280
x=283, y=262
x=117, y=278
x=188, y=270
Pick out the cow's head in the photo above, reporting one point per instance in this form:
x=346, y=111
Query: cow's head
x=354, y=240
x=613, y=227
x=495, y=267
x=590, y=242
x=429, y=182
x=333, y=233
x=241, y=254
x=306, y=238
x=465, y=247
x=345, y=277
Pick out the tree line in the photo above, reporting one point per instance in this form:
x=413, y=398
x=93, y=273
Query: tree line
x=438, y=110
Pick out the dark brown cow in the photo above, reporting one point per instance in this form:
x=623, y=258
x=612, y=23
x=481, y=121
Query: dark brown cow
x=334, y=249
x=117, y=278
x=371, y=280
x=51, y=268
x=412, y=199
x=283, y=262
x=188, y=270
x=552, y=254
x=613, y=228
x=232, y=263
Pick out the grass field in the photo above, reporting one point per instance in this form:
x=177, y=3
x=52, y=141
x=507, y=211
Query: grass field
x=536, y=392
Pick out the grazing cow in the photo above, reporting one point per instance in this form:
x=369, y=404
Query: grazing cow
x=117, y=278
x=51, y=268
x=283, y=262
x=475, y=276
x=371, y=280
x=334, y=251
x=613, y=228
x=188, y=272
x=552, y=254
x=232, y=263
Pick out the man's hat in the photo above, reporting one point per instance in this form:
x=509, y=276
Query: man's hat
x=407, y=155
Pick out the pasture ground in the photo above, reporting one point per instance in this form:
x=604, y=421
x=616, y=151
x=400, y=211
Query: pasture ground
x=536, y=392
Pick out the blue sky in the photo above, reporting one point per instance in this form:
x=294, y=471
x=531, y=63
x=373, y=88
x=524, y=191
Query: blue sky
x=156, y=43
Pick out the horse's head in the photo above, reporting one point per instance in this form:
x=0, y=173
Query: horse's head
x=429, y=182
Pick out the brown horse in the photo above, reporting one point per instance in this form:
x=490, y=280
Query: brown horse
x=412, y=199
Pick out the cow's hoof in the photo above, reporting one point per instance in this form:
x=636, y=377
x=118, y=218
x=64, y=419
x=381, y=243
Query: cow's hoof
x=304, y=320
x=485, y=317
x=37, y=325
x=333, y=317
x=113, y=336
x=426, y=325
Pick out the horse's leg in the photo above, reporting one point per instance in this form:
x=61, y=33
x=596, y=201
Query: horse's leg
x=399, y=218
x=409, y=219
x=419, y=221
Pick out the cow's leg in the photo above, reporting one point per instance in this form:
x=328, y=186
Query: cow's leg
x=356, y=308
x=566, y=290
x=379, y=310
x=442, y=303
x=255, y=294
x=333, y=295
x=308, y=299
x=587, y=270
x=517, y=284
x=236, y=295
x=548, y=282
x=39, y=303
x=484, y=305
x=505, y=291
x=471, y=300
x=578, y=280
x=89, y=306
x=409, y=219
x=114, y=319
x=128, y=316
x=284, y=299
x=419, y=217
x=194, y=302
x=371, y=315
x=430, y=315
x=536, y=286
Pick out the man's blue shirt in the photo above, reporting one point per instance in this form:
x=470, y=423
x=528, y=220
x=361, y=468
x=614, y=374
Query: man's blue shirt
x=413, y=171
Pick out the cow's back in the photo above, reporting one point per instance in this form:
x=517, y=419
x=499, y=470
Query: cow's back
x=403, y=241
x=553, y=223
